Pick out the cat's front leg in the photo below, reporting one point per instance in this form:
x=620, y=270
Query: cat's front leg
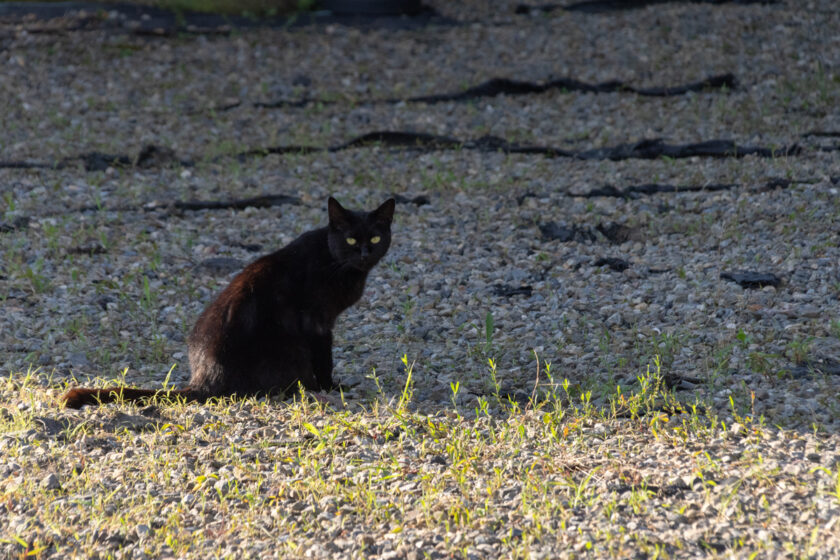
x=322, y=362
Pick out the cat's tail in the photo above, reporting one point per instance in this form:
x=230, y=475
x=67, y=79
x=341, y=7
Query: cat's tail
x=77, y=398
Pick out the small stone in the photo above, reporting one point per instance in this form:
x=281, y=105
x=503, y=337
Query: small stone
x=299, y=506
x=350, y=380
x=143, y=531
x=222, y=486
x=50, y=482
x=78, y=359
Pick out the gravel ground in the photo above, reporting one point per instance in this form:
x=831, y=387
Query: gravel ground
x=102, y=275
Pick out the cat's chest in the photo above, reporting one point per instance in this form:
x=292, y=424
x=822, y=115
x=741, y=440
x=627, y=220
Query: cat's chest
x=321, y=298
x=345, y=289
x=309, y=290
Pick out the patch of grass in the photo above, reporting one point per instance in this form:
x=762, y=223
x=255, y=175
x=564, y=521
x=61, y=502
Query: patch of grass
x=799, y=349
x=379, y=475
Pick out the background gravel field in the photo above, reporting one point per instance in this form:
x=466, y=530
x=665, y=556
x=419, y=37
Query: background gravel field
x=523, y=258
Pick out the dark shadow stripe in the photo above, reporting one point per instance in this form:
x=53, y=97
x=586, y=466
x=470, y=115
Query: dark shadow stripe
x=160, y=22
x=822, y=134
x=607, y=6
x=647, y=189
x=265, y=201
x=280, y=103
x=635, y=191
x=644, y=149
x=506, y=86
x=153, y=157
x=24, y=165
x=751, y=279
x=655, y=148
x=400, y=139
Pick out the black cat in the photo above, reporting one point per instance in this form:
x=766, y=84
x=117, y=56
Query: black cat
x=272, y=326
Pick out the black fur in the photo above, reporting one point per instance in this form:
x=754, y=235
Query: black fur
x=272, y=326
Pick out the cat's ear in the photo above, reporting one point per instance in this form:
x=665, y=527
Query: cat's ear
x=337, y=213
x=385, y=213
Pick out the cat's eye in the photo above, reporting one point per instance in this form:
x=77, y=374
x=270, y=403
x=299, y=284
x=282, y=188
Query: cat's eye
x=351, y=240
x=375, y=239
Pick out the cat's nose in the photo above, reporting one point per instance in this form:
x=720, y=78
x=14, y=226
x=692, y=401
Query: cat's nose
x=365, y=252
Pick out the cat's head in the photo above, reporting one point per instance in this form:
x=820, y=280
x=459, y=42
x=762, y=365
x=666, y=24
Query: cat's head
x=359, y=239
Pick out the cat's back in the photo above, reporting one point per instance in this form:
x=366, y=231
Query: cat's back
x=277, y=272
x=259, y=286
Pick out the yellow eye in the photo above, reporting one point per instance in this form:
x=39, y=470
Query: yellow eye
x=375, y=239
x=351, y=240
